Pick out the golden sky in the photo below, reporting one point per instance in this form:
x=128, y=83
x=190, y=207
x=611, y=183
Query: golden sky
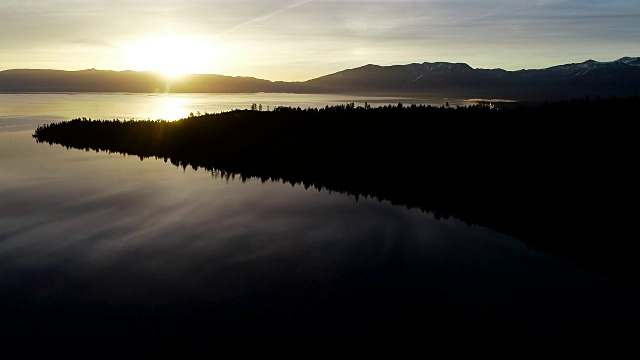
x=299, y=40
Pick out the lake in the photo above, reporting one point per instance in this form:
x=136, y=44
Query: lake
x=97, y=245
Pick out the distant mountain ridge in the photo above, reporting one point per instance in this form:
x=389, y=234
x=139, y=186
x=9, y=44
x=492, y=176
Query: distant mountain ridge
x=92, y=80
x=576, y=80
x=620, y=77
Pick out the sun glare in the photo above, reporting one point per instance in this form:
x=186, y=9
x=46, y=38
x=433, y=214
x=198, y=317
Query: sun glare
x=172, y=55
x=171, y=107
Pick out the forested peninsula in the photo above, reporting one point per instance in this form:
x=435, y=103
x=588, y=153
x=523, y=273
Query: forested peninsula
x=559, y=176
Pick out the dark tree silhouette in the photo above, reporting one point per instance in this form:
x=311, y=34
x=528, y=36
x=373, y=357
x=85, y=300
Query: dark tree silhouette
x=559, y=175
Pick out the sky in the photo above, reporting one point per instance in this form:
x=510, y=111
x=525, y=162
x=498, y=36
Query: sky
x=297, y=40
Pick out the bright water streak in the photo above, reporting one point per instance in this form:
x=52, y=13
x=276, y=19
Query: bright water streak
x=126, y=106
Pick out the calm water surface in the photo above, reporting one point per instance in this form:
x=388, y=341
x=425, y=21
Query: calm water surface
x=96, y=244
x=171, y=106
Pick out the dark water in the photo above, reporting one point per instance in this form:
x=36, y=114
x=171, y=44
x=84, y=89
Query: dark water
x=105, y=246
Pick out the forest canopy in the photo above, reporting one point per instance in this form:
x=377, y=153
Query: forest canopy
x=555, y=175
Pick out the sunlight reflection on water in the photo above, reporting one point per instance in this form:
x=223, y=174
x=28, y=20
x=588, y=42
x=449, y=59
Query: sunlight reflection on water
x=176, y=106
x=172, y=108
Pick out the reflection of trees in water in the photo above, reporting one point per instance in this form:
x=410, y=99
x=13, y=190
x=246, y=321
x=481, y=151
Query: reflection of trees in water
x=558, y=176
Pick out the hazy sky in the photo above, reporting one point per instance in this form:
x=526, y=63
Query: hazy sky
x=299, y=40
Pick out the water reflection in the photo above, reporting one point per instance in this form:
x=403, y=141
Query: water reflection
x=93, y=244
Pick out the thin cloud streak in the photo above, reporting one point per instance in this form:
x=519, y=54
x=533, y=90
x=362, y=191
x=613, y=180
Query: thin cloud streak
x=265, y=17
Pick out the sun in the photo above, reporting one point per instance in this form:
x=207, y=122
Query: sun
x=172, y=55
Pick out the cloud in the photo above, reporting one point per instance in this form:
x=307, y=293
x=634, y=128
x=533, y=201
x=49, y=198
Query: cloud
x=92, y=42
x=267, y=16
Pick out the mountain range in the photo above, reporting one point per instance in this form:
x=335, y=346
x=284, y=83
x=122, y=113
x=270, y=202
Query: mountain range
x=457, y=80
